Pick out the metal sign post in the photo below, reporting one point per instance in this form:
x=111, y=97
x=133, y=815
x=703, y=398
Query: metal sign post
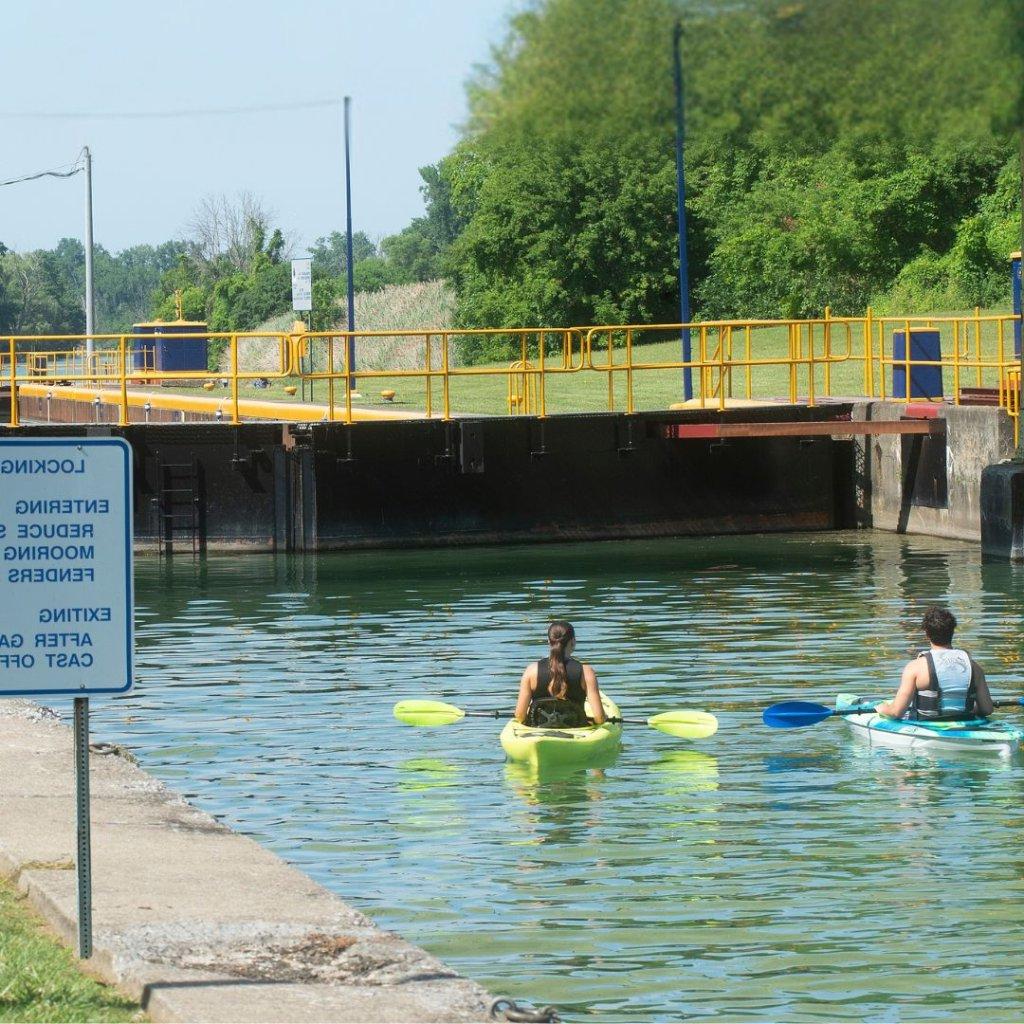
x=83, y=860
x=66, y=597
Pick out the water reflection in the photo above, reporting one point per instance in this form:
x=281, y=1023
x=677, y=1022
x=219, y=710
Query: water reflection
x=423, y=773
x=762, y=874
x=555, y=805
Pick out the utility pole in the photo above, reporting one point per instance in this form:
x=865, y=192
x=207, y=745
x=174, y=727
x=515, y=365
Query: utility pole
x=348, y=250
x=90, y=296
x=684, y=273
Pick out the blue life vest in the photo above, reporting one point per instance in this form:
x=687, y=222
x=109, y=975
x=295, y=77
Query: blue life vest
x=951, y=686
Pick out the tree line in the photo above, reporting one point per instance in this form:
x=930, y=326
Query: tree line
x=232, y=271
x=838, y=153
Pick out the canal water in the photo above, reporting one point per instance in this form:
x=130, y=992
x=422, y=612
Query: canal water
x=756, y=875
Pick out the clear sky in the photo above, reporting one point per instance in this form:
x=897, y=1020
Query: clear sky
x=403, y=62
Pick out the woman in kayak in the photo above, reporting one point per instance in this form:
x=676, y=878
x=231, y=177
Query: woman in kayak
x=553, y=690
x=943, y=683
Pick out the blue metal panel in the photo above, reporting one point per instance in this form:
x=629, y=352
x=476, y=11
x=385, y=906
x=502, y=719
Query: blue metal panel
x=925, y=381
x=169, y=350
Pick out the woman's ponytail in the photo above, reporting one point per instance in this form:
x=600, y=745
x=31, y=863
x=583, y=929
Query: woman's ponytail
x=560, y=635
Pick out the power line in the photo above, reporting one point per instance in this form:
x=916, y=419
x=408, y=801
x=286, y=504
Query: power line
x=138, y=115
x=75, y=168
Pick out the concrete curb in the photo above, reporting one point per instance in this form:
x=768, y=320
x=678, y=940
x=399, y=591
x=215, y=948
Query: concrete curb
x=195, y=921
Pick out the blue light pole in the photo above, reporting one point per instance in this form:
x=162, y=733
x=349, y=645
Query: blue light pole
x=348, y=256
x=684, y=271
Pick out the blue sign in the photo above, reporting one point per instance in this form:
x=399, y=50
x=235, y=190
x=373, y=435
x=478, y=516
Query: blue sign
x=66, y=599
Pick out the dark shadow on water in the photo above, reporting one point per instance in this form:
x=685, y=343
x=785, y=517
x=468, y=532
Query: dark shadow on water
x=393, y=579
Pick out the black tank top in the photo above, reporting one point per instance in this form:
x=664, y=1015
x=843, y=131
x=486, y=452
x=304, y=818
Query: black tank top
x=576, y=694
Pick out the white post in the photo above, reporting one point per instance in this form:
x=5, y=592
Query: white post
x=90, y=298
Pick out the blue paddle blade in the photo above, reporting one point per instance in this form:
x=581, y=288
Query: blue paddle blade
x=792, y=714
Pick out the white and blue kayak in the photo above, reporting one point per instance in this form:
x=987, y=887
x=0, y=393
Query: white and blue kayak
x=982, y=735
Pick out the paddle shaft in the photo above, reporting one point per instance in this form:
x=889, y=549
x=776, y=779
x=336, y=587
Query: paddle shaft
x=506, y=714
x=1013, y=702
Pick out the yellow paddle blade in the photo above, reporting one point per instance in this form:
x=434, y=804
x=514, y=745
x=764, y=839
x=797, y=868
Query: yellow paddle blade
x=427, y=712
x=687, y=725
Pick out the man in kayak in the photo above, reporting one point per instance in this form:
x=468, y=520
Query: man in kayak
x=942, y=684
x=552, y=691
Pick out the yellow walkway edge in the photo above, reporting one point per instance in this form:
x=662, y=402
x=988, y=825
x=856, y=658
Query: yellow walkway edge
x=248, y=408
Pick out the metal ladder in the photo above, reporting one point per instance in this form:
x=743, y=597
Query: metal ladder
x=177, y=504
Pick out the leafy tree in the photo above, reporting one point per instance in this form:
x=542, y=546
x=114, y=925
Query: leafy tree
x=38, y=298
x=417, y=253
x=829, y=145
x=330, y=253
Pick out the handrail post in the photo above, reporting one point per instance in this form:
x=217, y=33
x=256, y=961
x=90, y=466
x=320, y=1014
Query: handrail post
x=430, y=380
x=330, y=378
x=792, y=364
x=629, y=369
x=703, y=337
x=881, y=357
x=869, y=355
x=721, y=368
x=445, y=379
x=14, y=384
x=611, y=374
x=907, y=358
x=810, y=364
x=728, y=356
x=234, y=378
x=1000, y=356
x=329, y=364
x=124, y=382
x=350, y=346
x=541, y=396
x=977, y=343
x=750, y=368
x=828, y=351
x=956, y=360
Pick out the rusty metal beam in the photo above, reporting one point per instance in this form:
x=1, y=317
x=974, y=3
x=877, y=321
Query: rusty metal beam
x=826, y=428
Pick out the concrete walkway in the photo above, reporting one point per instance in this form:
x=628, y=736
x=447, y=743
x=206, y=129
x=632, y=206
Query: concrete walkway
x=196, y=922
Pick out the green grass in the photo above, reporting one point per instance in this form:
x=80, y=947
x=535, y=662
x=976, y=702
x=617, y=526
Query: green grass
x=39, y=979
x=657, y=388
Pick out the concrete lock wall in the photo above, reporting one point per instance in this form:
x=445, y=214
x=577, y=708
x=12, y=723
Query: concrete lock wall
x=927, y=485
x=273, y=487
x=568, y=477
x=279, y=487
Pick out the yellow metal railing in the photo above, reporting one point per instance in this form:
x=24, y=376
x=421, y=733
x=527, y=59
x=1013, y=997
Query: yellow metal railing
x=544, y=354
x=623, y=366
x=119, y=360
x=1012, y=394
x=522, y=388
x=807, y=347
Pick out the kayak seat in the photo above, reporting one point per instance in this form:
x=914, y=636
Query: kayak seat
x=549, y=713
